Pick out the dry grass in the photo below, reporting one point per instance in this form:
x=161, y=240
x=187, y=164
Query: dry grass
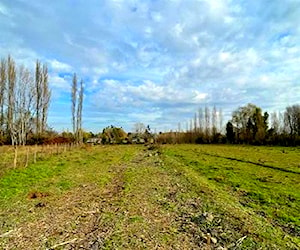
x=26, y=155
x=133, y=197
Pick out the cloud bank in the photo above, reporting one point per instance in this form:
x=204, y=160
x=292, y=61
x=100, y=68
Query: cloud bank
x=157, y=62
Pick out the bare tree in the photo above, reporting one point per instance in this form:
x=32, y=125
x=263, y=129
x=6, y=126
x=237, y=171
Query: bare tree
x=200, y=118
x=139, y=128
x=46, y=95
x=207, y=122
x=292, y=120
x=281, y=122
x=11, y=80
x=77, y=104
x=275, y=122
x=179, y=127
x=79, y=113
x=3, y=78
x=42, y=97
x=24, y=104
x=38, y=95
x=214, y=121
x=195, y=123
x=220, y=120
x=74, y=102
x=24, y=97
x=191, y=125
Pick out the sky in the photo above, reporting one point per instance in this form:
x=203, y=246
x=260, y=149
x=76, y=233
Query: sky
x=157, y=61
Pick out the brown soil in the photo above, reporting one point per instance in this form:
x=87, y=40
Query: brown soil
x=75, y=217
x=35, y=195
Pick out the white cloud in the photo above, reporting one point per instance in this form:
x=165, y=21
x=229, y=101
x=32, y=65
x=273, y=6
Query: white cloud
x=134, y=55
x=60, y=83
x=59, y=66
x=148, y=93
x=4, y=10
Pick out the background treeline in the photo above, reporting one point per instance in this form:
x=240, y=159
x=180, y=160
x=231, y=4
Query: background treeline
x=24, y=102
x=25, y=99
x=248, y=125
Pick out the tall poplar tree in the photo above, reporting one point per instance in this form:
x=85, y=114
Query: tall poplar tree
x=77, y=103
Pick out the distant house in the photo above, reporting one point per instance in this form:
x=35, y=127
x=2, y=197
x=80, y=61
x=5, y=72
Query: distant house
x=151, y=140
x=94, y=141
x=125, y=141
x=141, y=140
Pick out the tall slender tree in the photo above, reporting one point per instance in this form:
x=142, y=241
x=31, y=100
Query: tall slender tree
x=74, y=102
x=214, y=121
x=77, y=104
x=179, y=127
x=195, y=123
x=79, y=112
x=207, y=122
x=42, y=97
x=11, y=80
x=38, y=96
x=24, y=103
x=3, y=78
x=220, y=120
x=292, y=120
x=200, y=122
x=24, y=97
x=46, y=95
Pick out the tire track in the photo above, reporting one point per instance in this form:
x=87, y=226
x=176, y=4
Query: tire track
x=251, y=162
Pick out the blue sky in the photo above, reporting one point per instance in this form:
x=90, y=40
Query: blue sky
x=157, y=61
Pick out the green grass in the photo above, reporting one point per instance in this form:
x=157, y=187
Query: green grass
x=54, y=177
x=134, y=198
x=268, y=196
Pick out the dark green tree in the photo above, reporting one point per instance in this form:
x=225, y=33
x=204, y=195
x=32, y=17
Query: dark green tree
x=230, y=135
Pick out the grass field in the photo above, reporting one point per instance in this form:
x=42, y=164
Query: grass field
x=158, y=197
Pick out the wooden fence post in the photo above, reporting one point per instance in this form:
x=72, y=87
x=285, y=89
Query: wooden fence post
x=27, y=157
x=34, y=156
x=15, y=157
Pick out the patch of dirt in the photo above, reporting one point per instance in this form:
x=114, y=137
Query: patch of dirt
x=35, y=195
x=77, y=220
x=206, y=229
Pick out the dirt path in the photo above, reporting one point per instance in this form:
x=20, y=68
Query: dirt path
x=146, y=205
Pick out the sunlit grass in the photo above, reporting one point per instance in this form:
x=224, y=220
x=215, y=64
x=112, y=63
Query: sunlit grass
x=265, y=193
x=158, y=198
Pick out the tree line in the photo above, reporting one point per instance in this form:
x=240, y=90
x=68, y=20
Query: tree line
x=248, y=125
x=25, y=97
x=24, y=101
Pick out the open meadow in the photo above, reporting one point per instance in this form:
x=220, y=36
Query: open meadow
x=153, y=197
